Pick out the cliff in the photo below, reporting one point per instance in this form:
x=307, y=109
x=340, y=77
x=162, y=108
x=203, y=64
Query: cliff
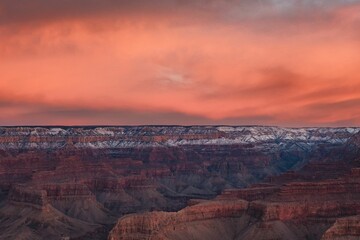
x=344, y=228
x=150, y=225
x=296, y=210
x=91, y=176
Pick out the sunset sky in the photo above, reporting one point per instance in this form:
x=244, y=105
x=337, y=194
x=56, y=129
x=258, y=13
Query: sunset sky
x=128, y=62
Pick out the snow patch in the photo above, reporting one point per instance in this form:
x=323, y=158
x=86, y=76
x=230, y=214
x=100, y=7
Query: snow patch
x=103, y=131
x=56, y=131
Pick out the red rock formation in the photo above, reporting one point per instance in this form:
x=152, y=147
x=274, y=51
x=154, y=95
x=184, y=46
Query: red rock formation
x=249, y=194
x=306, y=189
x=292, y=211
x=270, y=211
x=28, y=195
x=86, y=176
x=344, y=228
x=149, y=225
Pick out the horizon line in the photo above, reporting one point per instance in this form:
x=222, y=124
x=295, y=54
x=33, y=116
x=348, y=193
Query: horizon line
x=164, y=125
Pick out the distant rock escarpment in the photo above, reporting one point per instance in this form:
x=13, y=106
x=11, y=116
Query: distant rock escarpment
x=122, y=137
x=76, y=182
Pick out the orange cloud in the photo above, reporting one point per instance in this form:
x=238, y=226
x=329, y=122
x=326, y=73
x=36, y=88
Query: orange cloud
x=223, y=62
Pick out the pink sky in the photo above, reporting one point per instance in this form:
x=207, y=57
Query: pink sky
x=270, y=62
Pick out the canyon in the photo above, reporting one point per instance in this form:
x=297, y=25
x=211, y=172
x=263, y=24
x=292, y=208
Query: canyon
x=179, y=182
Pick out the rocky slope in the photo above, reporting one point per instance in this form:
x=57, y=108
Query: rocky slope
x=301, y=210
x=76, y=182
x=123, y=137
x=344, y=228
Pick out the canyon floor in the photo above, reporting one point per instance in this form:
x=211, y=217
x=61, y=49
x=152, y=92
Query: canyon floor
x=179, y=182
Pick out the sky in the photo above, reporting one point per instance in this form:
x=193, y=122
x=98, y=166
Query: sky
x=190, y=62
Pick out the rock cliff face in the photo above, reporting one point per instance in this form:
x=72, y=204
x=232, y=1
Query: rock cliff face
x=344, y=228
x=91, y=176
x=153, y=225
x=123, y=137
x=28, y=195
x=28, y=213
x=308, y=210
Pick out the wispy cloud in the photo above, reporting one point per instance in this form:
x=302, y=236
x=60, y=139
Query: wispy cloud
x=22, y=10
x=279, y=62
